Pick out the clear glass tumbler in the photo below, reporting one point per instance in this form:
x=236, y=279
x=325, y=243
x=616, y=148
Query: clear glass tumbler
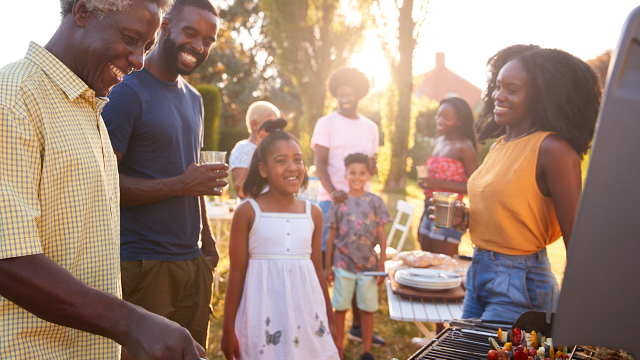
x=213, y=157
x=445, y=203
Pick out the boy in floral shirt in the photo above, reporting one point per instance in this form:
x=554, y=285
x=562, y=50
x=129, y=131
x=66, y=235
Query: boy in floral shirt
x=355, y=228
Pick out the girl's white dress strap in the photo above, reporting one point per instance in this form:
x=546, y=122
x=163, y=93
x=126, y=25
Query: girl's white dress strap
x=256, y=209
x=307, y=211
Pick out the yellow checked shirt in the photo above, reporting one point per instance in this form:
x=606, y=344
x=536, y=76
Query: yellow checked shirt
x=59, y=196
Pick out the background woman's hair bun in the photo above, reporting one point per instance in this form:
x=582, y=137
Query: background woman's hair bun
x=272, y=125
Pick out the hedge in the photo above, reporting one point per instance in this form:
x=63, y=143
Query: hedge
x=229, y=137
x=212, y=100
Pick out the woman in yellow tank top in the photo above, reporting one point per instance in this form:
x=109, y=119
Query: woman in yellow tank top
x=542, y=105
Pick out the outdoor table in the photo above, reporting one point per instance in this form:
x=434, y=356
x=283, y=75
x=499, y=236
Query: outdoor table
x=219, y=223
x=419, y=310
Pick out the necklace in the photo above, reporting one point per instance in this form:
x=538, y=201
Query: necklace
x=534, y=129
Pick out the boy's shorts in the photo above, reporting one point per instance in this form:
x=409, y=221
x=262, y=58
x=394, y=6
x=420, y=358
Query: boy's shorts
x=346, y=282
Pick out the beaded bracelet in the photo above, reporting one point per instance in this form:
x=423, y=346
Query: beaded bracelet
x=464, y=224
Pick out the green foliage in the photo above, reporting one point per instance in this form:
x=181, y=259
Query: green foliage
x=312, y=38
x=426, y=119
x=423, y=112
x=243, y=67
x=388, y=112
x=484, y=149
x=229, y=137
x=212, y=101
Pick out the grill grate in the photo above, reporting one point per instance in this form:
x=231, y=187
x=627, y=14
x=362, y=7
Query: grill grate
x=459, y=344
x=465, y=344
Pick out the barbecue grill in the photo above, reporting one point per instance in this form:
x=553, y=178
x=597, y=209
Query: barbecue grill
x=462, y=344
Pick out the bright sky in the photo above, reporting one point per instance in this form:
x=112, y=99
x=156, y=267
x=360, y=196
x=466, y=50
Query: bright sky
x=467, y=31
x=471, y=31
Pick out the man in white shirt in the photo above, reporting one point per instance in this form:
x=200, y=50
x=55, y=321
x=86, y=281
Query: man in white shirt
x=335, y=136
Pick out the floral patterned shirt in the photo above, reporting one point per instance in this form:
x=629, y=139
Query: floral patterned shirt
x=357, y=224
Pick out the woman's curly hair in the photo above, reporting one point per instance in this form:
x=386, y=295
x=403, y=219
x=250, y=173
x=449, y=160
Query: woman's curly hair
x=567, y=94
x=349, y=76
x=103, y=7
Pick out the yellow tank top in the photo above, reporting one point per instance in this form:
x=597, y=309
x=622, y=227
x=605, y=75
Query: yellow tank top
x=507, y=212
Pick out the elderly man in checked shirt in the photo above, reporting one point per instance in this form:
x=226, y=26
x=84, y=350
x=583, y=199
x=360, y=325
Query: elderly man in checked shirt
x=59, y=216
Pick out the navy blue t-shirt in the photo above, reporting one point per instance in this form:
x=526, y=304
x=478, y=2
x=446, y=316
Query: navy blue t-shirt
x=158, y=126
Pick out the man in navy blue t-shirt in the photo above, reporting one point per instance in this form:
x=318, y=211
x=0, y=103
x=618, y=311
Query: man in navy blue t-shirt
x=154, y=119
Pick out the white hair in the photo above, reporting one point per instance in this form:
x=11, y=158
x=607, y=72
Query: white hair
x=103, y=7
x=259, y=110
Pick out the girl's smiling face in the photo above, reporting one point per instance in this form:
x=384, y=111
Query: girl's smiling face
x=284, y=168
x=447, y=119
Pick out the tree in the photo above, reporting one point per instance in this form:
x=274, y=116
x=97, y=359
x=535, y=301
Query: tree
x=398, y=41
x=312, y=38
x=242, y=65
x=600, y=65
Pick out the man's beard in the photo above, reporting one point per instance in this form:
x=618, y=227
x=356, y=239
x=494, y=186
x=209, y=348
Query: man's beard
x=171, y=52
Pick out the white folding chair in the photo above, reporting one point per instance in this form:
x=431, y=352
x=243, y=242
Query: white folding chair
x=403, y=207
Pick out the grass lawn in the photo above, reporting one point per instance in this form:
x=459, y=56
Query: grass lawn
x=397, y=333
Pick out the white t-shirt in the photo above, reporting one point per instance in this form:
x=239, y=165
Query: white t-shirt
x=241, y=154
x=343, y=136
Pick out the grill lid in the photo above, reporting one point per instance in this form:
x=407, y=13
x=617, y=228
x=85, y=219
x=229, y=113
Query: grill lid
x=600, y=290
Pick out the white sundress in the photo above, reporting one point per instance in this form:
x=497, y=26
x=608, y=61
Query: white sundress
x=282, y=314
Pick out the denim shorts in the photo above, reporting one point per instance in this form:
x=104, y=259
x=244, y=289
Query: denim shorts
x=324, y=206
x=427, y=228
x=346, y=283
x=501, y=287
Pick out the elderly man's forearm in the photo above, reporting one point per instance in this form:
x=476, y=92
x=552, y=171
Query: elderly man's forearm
x=45, y=289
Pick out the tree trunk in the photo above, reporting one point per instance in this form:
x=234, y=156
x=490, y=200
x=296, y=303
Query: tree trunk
x=403, y=78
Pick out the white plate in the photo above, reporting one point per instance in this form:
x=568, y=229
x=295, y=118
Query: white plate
x=432, y=288
x=427, y=286
x=428, y=274
x=411, y=283
x=426, y=278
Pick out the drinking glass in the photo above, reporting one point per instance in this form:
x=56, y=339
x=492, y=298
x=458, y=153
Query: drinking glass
x=422, y=171
x=445, y=203
x=213, y=157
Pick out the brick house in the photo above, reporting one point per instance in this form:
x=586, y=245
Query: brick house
x=440, y=83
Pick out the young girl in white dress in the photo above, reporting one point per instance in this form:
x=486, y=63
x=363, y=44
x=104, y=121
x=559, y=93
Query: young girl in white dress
x=277, y=305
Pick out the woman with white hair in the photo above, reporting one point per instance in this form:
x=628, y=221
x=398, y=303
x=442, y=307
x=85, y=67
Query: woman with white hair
x=241, y=155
